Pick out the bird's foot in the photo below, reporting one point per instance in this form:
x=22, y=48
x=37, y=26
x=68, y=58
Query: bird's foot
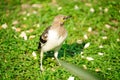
x=41, y=68
x=58, y=62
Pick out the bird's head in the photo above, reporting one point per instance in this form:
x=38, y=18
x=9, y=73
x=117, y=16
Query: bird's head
x=60, y=19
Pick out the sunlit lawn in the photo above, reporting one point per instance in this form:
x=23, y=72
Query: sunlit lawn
x=93, y=41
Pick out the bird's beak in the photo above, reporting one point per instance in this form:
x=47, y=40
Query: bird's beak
x=67, y=17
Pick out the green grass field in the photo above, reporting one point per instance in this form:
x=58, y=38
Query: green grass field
x=93, y=41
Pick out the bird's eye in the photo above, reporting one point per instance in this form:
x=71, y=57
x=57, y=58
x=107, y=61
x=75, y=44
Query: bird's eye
x=64, y=18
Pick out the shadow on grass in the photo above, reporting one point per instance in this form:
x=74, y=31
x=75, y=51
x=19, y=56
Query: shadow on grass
x=67, y=50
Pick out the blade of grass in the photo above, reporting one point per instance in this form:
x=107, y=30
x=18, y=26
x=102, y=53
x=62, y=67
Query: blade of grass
x=81, y=73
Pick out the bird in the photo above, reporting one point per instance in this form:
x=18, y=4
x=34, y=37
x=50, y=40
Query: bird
x=53, y=37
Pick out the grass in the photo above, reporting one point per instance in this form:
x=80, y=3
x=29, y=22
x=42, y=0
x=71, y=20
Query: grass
x=16, y=59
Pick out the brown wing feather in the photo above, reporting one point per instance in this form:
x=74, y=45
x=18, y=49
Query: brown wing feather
x=43, y=37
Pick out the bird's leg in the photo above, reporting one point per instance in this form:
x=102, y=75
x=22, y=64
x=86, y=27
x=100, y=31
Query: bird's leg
x=56, y=56
x=41, y=58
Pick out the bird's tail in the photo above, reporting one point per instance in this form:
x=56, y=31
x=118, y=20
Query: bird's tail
x=39, y=46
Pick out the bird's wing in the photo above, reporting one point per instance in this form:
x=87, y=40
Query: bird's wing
x=43, y=37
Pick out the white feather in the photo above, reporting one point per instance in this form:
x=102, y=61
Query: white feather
x=53, y=41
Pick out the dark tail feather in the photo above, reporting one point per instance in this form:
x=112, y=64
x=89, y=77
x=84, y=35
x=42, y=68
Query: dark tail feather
x=39, y=46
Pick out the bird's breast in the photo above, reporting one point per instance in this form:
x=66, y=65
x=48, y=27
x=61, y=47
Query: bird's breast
x=54, y=40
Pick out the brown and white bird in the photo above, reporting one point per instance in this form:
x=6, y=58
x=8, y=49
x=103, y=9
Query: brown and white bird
x=53, y=37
